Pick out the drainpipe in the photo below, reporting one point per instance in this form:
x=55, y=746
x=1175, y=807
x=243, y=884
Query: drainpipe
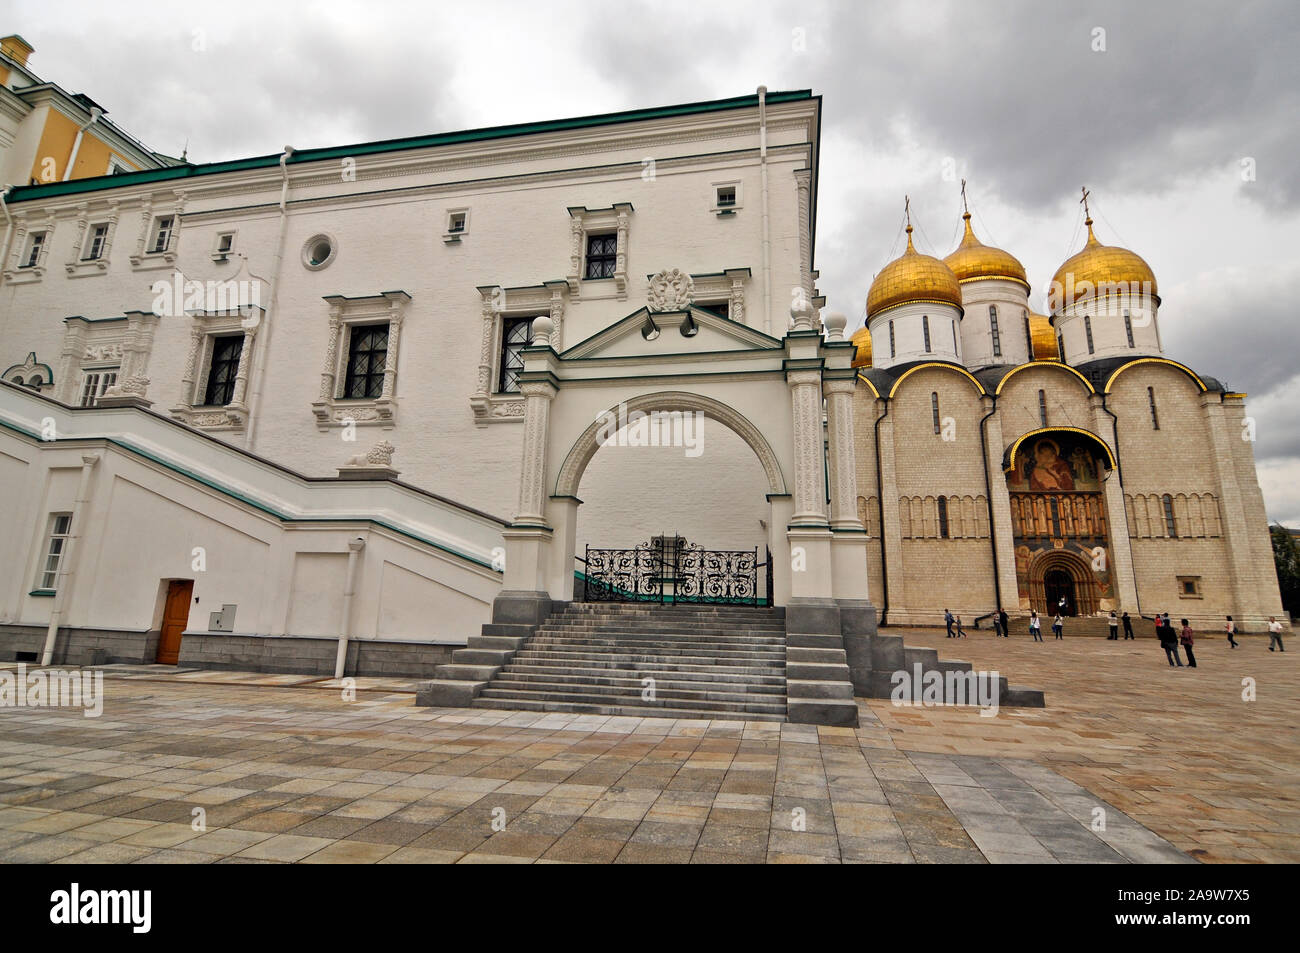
x=988, y=498
x=354, y=550
x=95, y=113
x=767, y=226
x=63, y=584
x=880, y=505
x=264, y=348
x=1114, y=433
x=9, y=224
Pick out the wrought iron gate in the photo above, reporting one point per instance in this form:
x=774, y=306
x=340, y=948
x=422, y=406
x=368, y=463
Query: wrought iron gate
x=668, y=569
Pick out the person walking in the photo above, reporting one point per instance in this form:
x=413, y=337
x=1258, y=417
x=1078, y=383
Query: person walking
x=948, y=621
x=1058, y=625
x=961, y=633
x=1114, y=627
x=1231, y=629
x=1187, y=640
x=1168, y=642
x=1128, y=627
x=1274, y=634
x=1035, y=626
x=1006, y=623
x=997, y=622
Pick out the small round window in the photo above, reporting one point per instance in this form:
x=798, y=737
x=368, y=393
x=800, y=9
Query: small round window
x=319, y=251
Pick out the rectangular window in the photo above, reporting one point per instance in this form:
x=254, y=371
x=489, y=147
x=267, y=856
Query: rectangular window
x=602, y=256
x=367, y=358
x=455, y=223
x=925, y=329
x=516, y=334
x=94, y=383
x=162, y=235
x=225, y=243
x=721, y=309
x=47, y=578
x=726, y=196
x=1171, y=525
x=891, y=338
x=997, y=337
x=32, y=257
x=943, y=517
x=1128, y=328
x=934, y=410
x=220, y=389
x=1060, y=347
x=1189, y=587
x=97, y=239
x=1042, y=407
x=1151, y=399
x=1029, y=335
x=954, y=337
x=1087, y=330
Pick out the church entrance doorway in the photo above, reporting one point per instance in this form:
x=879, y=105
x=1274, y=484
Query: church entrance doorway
x=1059, y=589
x=1063, y=575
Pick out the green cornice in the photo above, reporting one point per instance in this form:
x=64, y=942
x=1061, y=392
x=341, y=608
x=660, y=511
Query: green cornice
x=182, y=172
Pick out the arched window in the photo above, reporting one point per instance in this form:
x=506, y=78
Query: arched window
x=993, y=327
x=943, y=517
x=1128, y=328
x=1042, y=407
x=1171, y=527
x=891, y=338
x=1151, y=399
x=934, y=409
x=1087, y=330
x=925, y=329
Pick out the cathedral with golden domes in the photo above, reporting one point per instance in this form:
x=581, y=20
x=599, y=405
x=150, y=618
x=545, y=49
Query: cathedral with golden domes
x=1058, y=462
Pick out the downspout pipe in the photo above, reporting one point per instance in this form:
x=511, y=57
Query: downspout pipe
x=9, y=224
x=988, y=499
x=880, y=505
x=95, y=113
x=1114, y=433
x=72, y=549
x=264, y=347
x=767, y=224
x=355, y=546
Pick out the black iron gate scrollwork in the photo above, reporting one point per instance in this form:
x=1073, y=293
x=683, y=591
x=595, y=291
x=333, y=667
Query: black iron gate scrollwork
x=670, y=570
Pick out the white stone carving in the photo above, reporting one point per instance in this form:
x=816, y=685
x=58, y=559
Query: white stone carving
x=671, y=290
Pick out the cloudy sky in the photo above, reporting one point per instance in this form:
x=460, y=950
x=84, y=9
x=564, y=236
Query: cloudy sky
x=1180, y=117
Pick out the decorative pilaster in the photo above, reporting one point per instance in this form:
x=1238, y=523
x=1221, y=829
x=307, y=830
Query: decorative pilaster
x=803, y=186
x=891, y=532
x=809, y=484
x=841, y=456
x=1236, y=536
x=1000, y=498
x=1121, y=547
x=532, y=473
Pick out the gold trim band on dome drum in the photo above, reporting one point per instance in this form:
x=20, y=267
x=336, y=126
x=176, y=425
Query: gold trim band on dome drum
x=1019, y=281
x=961, y=312
x=1154, y=360
x=1015, y=447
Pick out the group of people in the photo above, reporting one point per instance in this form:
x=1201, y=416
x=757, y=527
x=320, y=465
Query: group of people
x=1170, y=638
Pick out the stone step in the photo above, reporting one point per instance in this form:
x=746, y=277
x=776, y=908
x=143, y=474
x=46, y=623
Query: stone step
x=636, y=690
x=804, y=688
x=623, y=711
x=658, y=663
x=640, y=635
x=606, y=643
x=584, y=697
x=713, y=673
x=823, y=711
x=798, y=654
x=817, y=672
x=700, y=656
x=667, y=628
x=637, y=682
x=467, y=673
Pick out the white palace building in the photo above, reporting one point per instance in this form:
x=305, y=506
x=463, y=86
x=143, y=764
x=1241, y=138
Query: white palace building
x=375, y=409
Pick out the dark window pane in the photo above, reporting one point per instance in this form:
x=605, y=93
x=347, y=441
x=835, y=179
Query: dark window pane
x=367, y=358
x=516, y=334
x=602, y=256
x=223, y=370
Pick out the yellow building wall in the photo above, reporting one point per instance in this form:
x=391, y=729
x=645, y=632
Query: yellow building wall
x=57, y=137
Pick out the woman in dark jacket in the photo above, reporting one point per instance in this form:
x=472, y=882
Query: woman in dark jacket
x=1169, y=642
x=1186, y=639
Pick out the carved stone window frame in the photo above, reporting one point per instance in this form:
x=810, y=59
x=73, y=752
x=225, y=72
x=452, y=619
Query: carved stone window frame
x=728, y=286
x=14, y=272
x=549, y=298
x=583, y=222
x=151, y=214
x=205, y=328
x=87, y=221
x=104, y=343
x=330, y=407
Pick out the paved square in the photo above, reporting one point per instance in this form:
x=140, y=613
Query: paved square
x=283, y=769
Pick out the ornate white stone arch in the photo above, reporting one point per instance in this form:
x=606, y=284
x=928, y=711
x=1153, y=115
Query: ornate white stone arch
x=585, y=447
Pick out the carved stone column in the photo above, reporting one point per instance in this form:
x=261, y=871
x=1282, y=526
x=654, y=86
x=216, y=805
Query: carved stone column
x=809, y=483
x=841, y=457
x=241, y=373
x=532, y=471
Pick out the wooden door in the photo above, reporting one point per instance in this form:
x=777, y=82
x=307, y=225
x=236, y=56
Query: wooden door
x=176, y=615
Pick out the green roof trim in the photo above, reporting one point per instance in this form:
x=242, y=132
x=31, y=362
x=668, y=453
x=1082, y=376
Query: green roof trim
x=27, y=193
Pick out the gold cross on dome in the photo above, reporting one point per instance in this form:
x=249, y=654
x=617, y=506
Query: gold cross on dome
x=964, y=206
x=907, y=209
x=1084, y=200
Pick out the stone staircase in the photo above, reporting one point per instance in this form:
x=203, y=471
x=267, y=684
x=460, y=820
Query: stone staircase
x=665, y=661
x=723, y=662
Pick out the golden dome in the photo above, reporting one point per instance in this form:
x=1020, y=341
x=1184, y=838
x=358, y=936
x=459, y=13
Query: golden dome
x=862, y=338
x=1043, y=338
x=913, y=277
x=973, y=260
x=1102, y=267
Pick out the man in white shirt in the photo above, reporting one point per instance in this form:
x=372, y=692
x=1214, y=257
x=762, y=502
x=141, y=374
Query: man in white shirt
x=1274, y=634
